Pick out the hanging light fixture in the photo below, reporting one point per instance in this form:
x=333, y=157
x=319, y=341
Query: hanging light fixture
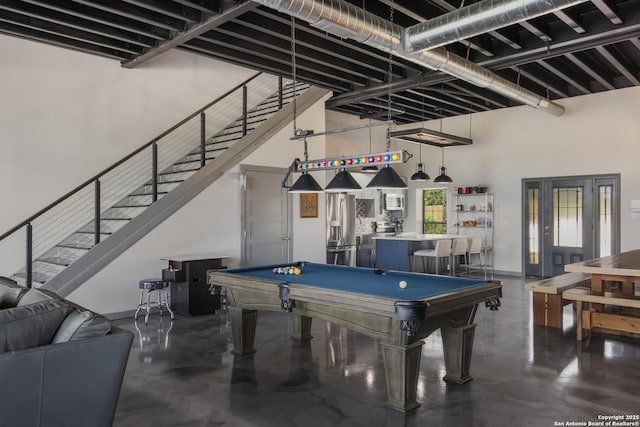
x=342, y=181
x=443, y=177
x=369, y=168
x=305, y=183
x=387, y=177
x=420, y=175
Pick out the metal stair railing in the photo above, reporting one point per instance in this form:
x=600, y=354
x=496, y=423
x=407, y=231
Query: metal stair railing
x=70, y=226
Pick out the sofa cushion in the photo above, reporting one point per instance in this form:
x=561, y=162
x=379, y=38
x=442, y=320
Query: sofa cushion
x=10, y=292
x=31, y=325
x=81, y=325
x=35, y=295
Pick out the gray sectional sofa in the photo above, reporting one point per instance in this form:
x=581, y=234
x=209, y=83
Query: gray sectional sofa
x=60, y=364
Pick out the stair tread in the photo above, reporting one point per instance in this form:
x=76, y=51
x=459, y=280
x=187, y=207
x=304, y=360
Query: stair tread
x=147, y=194
x=93, y=232
x=55, y=261
x=72, y=246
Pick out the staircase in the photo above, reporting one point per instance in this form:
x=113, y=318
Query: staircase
x=129, y=192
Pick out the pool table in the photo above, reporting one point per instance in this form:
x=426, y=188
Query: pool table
x=371, y=302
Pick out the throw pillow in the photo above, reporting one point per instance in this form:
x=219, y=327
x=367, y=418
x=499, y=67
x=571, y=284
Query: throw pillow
x=31, y=325
x=81, y=325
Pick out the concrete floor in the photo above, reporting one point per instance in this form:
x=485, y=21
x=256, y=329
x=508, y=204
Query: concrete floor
x=181, y=373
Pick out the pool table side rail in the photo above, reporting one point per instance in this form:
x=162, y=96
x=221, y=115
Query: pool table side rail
x=359, y=301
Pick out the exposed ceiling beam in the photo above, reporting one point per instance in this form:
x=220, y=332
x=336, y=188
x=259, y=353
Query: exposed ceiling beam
x=566, y=77
x=607, y=11
x=192, y=32
x=584, y=67
x=618, y=65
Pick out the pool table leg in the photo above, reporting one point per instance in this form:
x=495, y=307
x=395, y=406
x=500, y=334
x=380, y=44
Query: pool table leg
x=402, y=365
x=301, y=328
x=243, y=328
x=457, y=342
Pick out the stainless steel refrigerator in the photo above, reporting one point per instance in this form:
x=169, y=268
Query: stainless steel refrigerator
x=341, y=229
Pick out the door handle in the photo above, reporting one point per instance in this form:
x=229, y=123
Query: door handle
x=285, y=238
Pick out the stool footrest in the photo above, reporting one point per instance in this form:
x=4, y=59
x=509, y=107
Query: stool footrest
x=149, y=287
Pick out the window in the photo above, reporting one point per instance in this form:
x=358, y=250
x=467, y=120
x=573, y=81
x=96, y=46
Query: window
x=534, y=224
x=605, y=219
x=567, y=208
x=435, y=211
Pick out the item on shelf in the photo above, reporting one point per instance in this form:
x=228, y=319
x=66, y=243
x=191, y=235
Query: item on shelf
x=480, y=189
x=465, y=190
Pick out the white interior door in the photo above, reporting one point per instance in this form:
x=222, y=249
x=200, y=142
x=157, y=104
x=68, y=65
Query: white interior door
x=266, y=217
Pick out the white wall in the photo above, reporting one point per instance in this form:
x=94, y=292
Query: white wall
x=598, y=134
x=65, y=116
x=210, y=223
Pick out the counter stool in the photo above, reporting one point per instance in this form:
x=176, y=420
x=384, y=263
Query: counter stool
x=442, y=250
x=157, y=287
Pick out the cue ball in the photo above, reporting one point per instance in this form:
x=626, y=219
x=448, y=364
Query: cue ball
x=402, y=284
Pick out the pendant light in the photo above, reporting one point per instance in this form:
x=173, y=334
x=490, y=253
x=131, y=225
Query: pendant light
x=305, y=183
x=443, y=177
x=387, y=177
x=343, y=181
x=370, y=168
x=420, y=175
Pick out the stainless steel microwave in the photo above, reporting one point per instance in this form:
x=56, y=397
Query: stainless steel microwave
x=394, y=202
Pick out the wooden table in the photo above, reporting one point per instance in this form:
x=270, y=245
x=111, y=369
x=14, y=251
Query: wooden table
x=623, y=271
x=623, y=268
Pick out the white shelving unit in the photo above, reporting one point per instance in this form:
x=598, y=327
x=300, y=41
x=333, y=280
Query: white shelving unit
x=471, y=215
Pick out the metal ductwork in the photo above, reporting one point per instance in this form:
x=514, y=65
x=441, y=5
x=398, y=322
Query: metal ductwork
x=475, y=19
x=346, y=20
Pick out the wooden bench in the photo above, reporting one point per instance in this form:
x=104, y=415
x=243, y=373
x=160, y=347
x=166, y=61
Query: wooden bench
x=547, y=297
x=588, y=318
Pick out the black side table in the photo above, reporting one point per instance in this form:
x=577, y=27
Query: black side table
x=190, y=293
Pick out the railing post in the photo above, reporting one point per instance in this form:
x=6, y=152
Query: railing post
x=154, y=171
x=97, y=211
x=29, y=268
x=203, y=142
x=280, y=89
x=244, y=110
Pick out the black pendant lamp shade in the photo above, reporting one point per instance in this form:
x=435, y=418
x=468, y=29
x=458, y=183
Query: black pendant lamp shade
x=343, y=181
x=305, y=184
x=387, y=178
x=420, y=175
x=443, y=177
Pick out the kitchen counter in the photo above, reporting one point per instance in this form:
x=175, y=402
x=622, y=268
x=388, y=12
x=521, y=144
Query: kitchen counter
x=394, y=252
x=414, y=237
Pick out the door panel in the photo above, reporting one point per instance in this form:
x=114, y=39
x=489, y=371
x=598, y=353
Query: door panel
x=568, y=223
x=568, y=220
x=266, y=217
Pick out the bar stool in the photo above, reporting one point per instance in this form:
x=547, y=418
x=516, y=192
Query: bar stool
x=475, y=248
x=442, y=250
x=147, y=288
x=458, y=248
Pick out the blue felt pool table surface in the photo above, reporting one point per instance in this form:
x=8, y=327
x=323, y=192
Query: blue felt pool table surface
x=364, y=280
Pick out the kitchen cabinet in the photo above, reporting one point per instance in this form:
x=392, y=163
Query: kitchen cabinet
x=472, y=215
